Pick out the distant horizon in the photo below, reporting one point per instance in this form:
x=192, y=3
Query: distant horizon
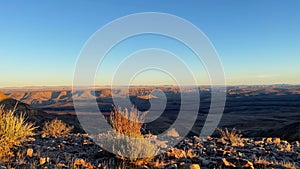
x=205, y=85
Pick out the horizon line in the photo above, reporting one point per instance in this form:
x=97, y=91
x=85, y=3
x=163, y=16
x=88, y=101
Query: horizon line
x=158, y=85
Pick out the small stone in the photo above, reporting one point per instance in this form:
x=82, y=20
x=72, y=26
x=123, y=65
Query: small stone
x=162, y=144
x=194, y=166
x=248, y=165
x=197, y=139
x=60, y=165
x=269, y=140
x=177, y=153
x=172, y=133
x=172, y=166
x=43, y=135
x=227, y=163
x=205, y=162
x=85, y=135
x=89, y=166
x=276, y=140
x=79, y=162
x=29, y=152
x=43, y=160
x=209, y=138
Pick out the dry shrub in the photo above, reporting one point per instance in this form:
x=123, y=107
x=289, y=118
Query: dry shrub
x=233, y=137
x=287, y=165
x=263, y=163
x=56, y=128
x=127, y=123
x=127, y=139
x=13, y=130
x=137, y=151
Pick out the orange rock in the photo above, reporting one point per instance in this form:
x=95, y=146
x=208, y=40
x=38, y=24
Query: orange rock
x=248, y=165
x=177, y=153
x=60, y=165
x=79, y=162
x=276, y=140
x=227, y=163
x=194, y=166
x=269, y=140
x=44, y=160
x=190, y=166
x=29, y=152
x=89, y=166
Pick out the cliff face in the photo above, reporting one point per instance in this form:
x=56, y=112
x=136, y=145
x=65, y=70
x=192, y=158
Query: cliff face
x=3, y=96
x=36, y=116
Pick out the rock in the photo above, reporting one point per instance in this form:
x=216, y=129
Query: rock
x=60, y=165
x=176, y=153
x=276, y=140
x=159, y=143
x=227, y=163
x=43, y=135
x=172, y=166
x=269, y=140
x=194, y=166
x=196, y=139
x=3, y=96
x=248, y=165
x=205, y=162
x=79, y=162
x=189, y=166
x=172, y=133
x=43, y=160
x=209, y=138
x=89, y=166
x=29, y=152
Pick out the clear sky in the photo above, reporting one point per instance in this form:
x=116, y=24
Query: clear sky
x=257, y=41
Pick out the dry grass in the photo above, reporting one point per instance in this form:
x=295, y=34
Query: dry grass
x=56, y=128
x=233, y=137
x=128, y=123
x=281, y=164
x=287, y=165
x=137, y=150
x=13, y=130
x=262, y=162
x=127, y=139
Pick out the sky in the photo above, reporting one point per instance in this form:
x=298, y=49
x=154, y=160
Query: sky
x=258, y=42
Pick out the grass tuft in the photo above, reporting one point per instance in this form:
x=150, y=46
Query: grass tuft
x=127, y=139
x=13, y=130
x=233, y=137
x=127, y=122
x=56, y=128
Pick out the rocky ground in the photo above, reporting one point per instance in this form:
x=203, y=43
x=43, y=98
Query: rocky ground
x=79, y=151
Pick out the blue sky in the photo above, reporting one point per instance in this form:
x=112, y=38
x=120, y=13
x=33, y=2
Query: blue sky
x=258, y=42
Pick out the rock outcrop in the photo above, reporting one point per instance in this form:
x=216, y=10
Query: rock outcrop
x=36, y=116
